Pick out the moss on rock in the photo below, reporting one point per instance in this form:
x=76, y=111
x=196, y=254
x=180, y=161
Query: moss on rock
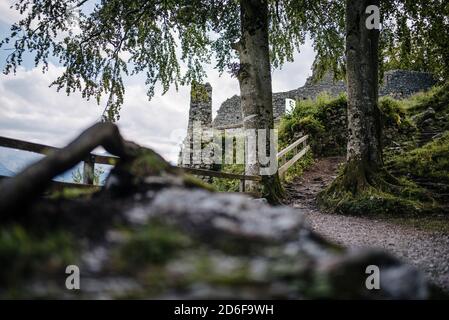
x=324, y=119
x=430, y=161
x=153, y=244
x=362, y=190
x=24, y=254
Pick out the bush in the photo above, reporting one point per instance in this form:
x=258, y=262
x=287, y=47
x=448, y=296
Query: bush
x=324, y=119
x=227, y=185
x=298, y=168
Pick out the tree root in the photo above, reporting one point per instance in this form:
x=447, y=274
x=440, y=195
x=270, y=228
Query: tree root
x=272, y=190
x=363, y=189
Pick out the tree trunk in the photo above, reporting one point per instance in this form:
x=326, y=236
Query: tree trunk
x=363, y=178
x=254, y=77
x=364, y=150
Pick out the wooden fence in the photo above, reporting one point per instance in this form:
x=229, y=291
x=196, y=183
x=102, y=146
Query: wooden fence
x=297, y=149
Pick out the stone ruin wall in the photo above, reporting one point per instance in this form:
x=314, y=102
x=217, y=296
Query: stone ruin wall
x=200, y=120
x=402, y=84
x=396, y=83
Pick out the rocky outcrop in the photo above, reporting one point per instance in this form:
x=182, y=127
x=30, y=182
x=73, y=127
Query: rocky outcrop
x=154, y=232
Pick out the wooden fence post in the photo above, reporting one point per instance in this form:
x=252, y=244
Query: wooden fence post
x=89, y=170
x=242, y=185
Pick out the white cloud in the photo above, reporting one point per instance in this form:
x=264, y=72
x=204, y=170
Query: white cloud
x=8, y=15
x=32, y=111
x=294, y=74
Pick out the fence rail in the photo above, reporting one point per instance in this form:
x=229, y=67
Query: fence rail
x=92, y=159
x=299, y=149
x=89, y=162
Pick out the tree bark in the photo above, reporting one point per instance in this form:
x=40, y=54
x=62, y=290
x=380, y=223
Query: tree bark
x=254, y=77
x=364, y=150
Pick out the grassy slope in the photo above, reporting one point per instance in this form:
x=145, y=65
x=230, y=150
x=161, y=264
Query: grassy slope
x=405, y=121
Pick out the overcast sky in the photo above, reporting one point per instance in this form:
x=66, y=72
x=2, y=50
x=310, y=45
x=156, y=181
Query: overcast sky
x=32, y=111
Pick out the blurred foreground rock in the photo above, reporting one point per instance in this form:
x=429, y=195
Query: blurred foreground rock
x=154, y=232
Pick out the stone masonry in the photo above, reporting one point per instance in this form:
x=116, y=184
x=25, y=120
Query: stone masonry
x=200, y=121
x=396, y=83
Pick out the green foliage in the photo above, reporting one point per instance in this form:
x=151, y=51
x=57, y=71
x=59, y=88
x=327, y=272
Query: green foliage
x=74, y=193
x=324, y=119
x=23, y=255
x=147, y=163
x=430, y=161
x=414, y=36
x=228, y=185
x=436, y=98
x=392, y=111
x=298, y=168
x=375, y=192
x=77, y=176
x=115, y=39
x=192, y=181
x=397, y=125
x=198, y=93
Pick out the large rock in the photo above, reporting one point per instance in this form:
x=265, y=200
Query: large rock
x=163, y=235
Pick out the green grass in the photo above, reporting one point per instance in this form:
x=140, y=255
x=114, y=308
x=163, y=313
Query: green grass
x=299, y=167
x=436, y=98
x=430, y=161
x=401, y=126
x=23, y=254
x=323, y=119
x=228, y=185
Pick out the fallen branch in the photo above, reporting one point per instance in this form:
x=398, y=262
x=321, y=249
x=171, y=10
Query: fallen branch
x=17, y=192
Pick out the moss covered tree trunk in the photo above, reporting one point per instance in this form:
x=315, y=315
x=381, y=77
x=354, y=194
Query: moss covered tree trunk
x=254, y=77
x=364, y=150
x=365, y=187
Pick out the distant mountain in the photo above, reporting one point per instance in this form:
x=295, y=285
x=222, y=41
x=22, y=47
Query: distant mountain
x=5, y=171
x=13, y=161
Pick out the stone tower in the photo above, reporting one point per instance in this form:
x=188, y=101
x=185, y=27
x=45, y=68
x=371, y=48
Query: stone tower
x=200, y=106
x=199, y=127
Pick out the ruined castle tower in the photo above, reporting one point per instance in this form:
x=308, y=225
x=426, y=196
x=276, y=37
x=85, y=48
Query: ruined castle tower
x=198, y=128
x=200, y=105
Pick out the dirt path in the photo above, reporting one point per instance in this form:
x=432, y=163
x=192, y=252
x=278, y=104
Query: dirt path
x=428, y=250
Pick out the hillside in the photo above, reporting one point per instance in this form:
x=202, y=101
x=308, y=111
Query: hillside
x=415, y=139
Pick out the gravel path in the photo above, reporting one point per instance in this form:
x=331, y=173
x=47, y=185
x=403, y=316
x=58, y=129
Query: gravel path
x=428, y=250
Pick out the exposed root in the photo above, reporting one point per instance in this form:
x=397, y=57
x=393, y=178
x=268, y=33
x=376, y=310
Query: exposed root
x=362, y=189
x=272, y=189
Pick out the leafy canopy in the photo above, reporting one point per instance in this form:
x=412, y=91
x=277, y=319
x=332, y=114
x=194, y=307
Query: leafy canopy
x=118, y=38
x=114, y=39
x=413, y=36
